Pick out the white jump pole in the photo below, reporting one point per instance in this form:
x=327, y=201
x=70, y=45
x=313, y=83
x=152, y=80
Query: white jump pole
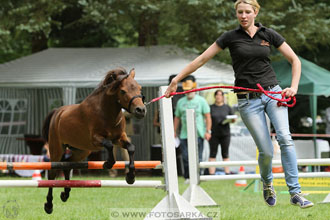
x=194, y=194
x=257, y=176
x=300, y=162
x=173, y=202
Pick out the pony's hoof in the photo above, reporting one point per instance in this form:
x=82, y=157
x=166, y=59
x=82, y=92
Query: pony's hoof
x=130, y=179
x=107, y=165
x=48, y=208
x=64, y=196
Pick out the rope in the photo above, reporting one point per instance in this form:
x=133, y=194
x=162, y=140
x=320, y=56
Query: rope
x=280, y=102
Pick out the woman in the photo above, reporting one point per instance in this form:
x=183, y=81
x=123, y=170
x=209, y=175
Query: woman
x=220, y=131
x=249, y=47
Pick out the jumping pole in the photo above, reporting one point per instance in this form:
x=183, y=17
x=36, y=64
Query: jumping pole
x=80, y=184
x=257, y=176
x=300, y=162
x=76, y=165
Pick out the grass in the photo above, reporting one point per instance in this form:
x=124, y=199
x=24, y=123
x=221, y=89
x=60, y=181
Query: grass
x=95, y=203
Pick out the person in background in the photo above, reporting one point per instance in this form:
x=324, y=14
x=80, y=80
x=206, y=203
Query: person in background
x=327, y=120
x=327, y=129
x=250, y=46
x=156, y=124
x=45, y=152
x=220, y=131
x=203, y=121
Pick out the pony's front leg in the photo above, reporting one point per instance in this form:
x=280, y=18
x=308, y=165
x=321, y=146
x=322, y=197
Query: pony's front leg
x=111, y=159
x=65, y=195
x=130, y=176
x=49, y=204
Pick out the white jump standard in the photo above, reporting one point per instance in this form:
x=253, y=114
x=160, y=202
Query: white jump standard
x=173, y=202
x=194, y=193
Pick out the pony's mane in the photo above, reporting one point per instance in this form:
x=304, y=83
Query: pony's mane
x=110, y=77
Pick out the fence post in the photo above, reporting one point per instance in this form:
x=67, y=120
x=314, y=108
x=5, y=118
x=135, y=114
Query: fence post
x=194, y=193
x=173, y=202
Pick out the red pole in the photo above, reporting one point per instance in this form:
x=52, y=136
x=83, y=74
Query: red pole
x=69, y=183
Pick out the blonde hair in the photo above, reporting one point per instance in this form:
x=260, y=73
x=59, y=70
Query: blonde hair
x=253, y=3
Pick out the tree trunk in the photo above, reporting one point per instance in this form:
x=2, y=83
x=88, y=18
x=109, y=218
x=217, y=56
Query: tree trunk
x=148, y=29
x=38, y=42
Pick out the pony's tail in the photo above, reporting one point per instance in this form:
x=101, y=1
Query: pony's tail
x=45, y=127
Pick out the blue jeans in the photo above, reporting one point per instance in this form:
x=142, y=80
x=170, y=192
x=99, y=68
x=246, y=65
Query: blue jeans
x=253, y=115
x=184, y=152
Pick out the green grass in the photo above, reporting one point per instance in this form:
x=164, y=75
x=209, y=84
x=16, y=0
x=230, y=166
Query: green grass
x=95, y=203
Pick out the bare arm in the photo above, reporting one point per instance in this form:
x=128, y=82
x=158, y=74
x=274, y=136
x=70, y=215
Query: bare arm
x=208, y=121
x=290, y=55
x=156, y=122
x=176, y=125
x=46, y=146
x=192, y=67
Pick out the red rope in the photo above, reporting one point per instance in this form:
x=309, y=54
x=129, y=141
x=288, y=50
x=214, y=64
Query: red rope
x=281, y=102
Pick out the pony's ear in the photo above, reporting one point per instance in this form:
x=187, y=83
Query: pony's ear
x=132, y=73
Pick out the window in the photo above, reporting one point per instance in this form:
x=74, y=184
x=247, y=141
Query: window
x=12, y=116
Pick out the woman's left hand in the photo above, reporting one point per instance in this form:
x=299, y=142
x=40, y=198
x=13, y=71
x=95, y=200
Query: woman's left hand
x=207, y=136
x=289, y=92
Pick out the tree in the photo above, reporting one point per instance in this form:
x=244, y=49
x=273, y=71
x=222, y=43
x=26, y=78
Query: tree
x=305, y=25
x=25, y=26
x=30, y=26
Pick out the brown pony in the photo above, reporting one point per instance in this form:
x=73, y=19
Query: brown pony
x=95, y=123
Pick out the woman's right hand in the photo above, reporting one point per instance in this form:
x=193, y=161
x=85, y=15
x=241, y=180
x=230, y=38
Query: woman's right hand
x=171, y=88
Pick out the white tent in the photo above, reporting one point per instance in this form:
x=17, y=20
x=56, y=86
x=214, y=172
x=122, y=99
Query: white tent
x=86, y=67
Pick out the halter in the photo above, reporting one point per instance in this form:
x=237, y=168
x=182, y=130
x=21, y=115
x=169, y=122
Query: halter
x=132, y=99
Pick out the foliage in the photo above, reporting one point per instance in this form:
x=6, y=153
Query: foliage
x=305, y=25
x=30, y=26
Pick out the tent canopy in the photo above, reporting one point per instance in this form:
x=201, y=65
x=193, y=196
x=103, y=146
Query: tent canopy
x=86, y=67
x=314, y=80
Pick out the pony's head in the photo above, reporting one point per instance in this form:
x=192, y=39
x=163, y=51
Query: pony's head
x=127, y=91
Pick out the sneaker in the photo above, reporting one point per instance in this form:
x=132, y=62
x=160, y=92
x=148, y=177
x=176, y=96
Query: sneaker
x=186, y=181
x=298, y=200
x=269, y=194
